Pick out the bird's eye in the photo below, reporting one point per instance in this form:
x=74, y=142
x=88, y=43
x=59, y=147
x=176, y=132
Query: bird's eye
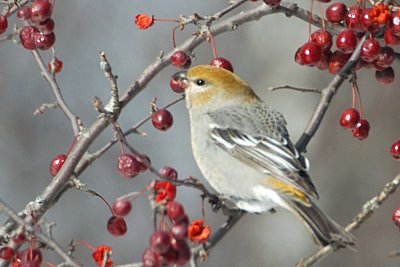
x=200, y=82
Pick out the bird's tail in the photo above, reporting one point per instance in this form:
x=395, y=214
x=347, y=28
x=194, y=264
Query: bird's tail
x=323, y=229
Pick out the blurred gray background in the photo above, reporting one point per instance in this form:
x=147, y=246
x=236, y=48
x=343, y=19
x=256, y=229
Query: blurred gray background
x=347, y=172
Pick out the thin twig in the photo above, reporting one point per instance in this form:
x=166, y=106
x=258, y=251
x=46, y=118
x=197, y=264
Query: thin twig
x=225, y=11
x=299, y=89
x=366, y=211
x=50, y=242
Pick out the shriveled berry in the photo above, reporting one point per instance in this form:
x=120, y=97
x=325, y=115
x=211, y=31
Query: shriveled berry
x=336, y=12
x=336, y=61
x=175, y=210
x=310, y=53
x=116, y=226
x=128, y=166
x=370, y=50
x=56, y=163
x=121, y=207
x=6, y=253
x=162, y=119
x=27, y=37
x=23, y=13
x=395, y=150
x=160, y=241
x=385, y=76
x=180, y=59
x=44, y=41
x=221, y=62
x=349, y=118
x=55, y=65
x=40, y=10
x=346, y=42
x=151, y=258
x=169, y=172
x=3, y=24
x=361, y=130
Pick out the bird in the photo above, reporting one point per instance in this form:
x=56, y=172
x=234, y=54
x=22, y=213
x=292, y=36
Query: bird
x=243, y=150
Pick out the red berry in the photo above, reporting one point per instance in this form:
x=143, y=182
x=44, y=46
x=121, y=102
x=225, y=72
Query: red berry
x=177, y=85
x=323, y=64
x=3, y=24
x=370, y=50
x=297, y=56
x=180, y=59
x=40, y=10
x=395, y=150
x=46, y=27
x=385, y=76
x=121, y=207
x=27, y=37
x=175, y=211
x=273, y=3
x=353, y=19
x=385, y=58
x=128, y=166
x=23, y=13
x=55, y=65
x=6, y=253
x=31, y=257
x=144, y=162
x=180, y=229
x=361, y=130
x=183, y=250
x=56, y=164
x=322, y=39
x=169, y=172
x=19, y=239
x=221, y=62
x=310, y=53
x=396, y=217
x=368, y=20
x=160, y=241
x=346, y=41
x=162, y=119
x=349, y=118
x=395, y=24
x=336, y=12
x=151, y=258
x=336, y=61
x=390, y=38
x=116, y=226
x=44, y=41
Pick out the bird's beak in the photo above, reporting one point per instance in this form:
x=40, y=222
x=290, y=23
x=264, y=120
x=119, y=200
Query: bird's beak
x=180, y=78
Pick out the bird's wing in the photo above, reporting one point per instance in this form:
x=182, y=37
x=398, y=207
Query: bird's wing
x=269, y=151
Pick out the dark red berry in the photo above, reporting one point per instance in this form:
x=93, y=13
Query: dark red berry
x=170, y=256
x=361, y=130
x=221, y=62
x=336, y=12
x=395, y=150
x=180, y=229
x=40, y=10
x=19, y=239
x=27, y=37
x=349, y=118
x=6, y=253
x=31, y=257
x=121, y=207
x=3, y=24
x=56, y=164
x=160, y=241
x=46, y=27
x=395, y=24
x=169, y=172
x=175, y=210
x=162, y=119
x=336, y=61
x=368, y=20
x=180, y=59
x=55, y=66
x=346, y=41
x=385, y=58
x=128, y=166
x=385, y=76
x=297, y=56
x=183, y=250
x=151, y=258
x=144, y=162
x=353, y=19
x=310, y=53
x=370, y=50
x=177, y=85
x=44, y=41
x=273, y=3
x=23, y=13
x=116, y=226
x=322, y=39
x=390, y=38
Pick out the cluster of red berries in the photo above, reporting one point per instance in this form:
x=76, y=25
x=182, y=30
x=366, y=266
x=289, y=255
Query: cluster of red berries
x=351, y=119
x=317, y=51
x=41, y=34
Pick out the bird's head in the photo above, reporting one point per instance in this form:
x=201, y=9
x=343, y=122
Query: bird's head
x=210, y=86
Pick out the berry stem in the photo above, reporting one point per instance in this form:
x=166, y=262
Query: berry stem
x=173, y=36
x=321, y=11
x=102, y=198
x=79, y=242
x=72, y=145
x=353, y=92
x=310, y=20
x=167, y=20
x=359, y=99
x=203, y=211
x=214, y=49
x=133, y=195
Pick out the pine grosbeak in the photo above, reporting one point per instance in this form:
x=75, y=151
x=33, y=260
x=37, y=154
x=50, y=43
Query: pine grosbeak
x=243, y=150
